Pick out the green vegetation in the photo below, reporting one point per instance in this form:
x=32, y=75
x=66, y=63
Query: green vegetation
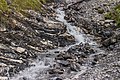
x=18, y=6
x=7, y=6
x=21, y=5
x=3, y=5
x=114, y=14
x=100, y=11
x=27, y=4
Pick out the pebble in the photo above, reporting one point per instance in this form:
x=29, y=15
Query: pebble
x=2, y=29
x=20, y=49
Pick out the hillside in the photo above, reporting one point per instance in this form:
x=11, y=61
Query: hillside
x=59, y=39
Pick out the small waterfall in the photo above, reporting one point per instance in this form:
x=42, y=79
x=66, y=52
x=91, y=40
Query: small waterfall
x=38, y=71
x=79, y=35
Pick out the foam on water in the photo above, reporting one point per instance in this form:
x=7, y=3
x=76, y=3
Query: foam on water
x=32, y=72
x=78, y=34
x=71, y=29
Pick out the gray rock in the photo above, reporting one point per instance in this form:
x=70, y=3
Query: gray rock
x=56, y=71
x=109, y=41
x=63, y=63
x=20, y=49
x=2, y=28
x=75, y=67
x=109, y=21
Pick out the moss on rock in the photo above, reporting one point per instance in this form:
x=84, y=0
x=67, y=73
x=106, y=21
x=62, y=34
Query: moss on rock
x=114, y=14
x=100, y=11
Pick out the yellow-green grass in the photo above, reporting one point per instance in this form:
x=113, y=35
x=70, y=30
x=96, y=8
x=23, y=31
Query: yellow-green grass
x=17, y=6
x=114, y=14
x=21, y=5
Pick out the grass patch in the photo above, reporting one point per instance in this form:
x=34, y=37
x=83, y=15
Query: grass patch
x=18, y=6
x=114, y=15
x=26, y=4
x=21, y=5
x=3, y=6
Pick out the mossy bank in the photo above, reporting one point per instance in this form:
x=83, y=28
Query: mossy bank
x=114, y=14
x=5, y=5
x=8, y=7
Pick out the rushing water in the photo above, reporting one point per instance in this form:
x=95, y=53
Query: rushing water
x=39, y=70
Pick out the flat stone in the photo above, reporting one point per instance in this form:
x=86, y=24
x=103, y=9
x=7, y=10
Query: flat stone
x=2, y=46
x=20, y=49
x=11, y=60
x=3, y=78
x=109, y=21
x=56, y=71
x=3, y=64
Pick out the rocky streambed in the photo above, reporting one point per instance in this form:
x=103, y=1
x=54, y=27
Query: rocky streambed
x=70, y=42
x=27, y=37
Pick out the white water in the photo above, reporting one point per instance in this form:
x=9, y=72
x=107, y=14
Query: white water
x=32, y=72
x=79, y=36
x=38, y=71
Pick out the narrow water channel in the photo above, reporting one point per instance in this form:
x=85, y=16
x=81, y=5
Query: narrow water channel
x=43, y=63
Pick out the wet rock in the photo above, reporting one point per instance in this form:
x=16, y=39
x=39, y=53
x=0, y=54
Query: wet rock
x=63, y=63
x=59, y=58
x=95, y=59
x=83, y=48
x=107, y=33
x=66, y=17
x=109, y=42
x=83, y=56
x=64, y=56
x=56, y=78
x=72, y=49
x=67, y=56
x=56, y=28
x=59, y=79
x=93, y=63
x=75, y=67
x=64, y=38
x=71, y=19
x=56, y=71
x=39, y=18
x=23, y=78
x=56, y=52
